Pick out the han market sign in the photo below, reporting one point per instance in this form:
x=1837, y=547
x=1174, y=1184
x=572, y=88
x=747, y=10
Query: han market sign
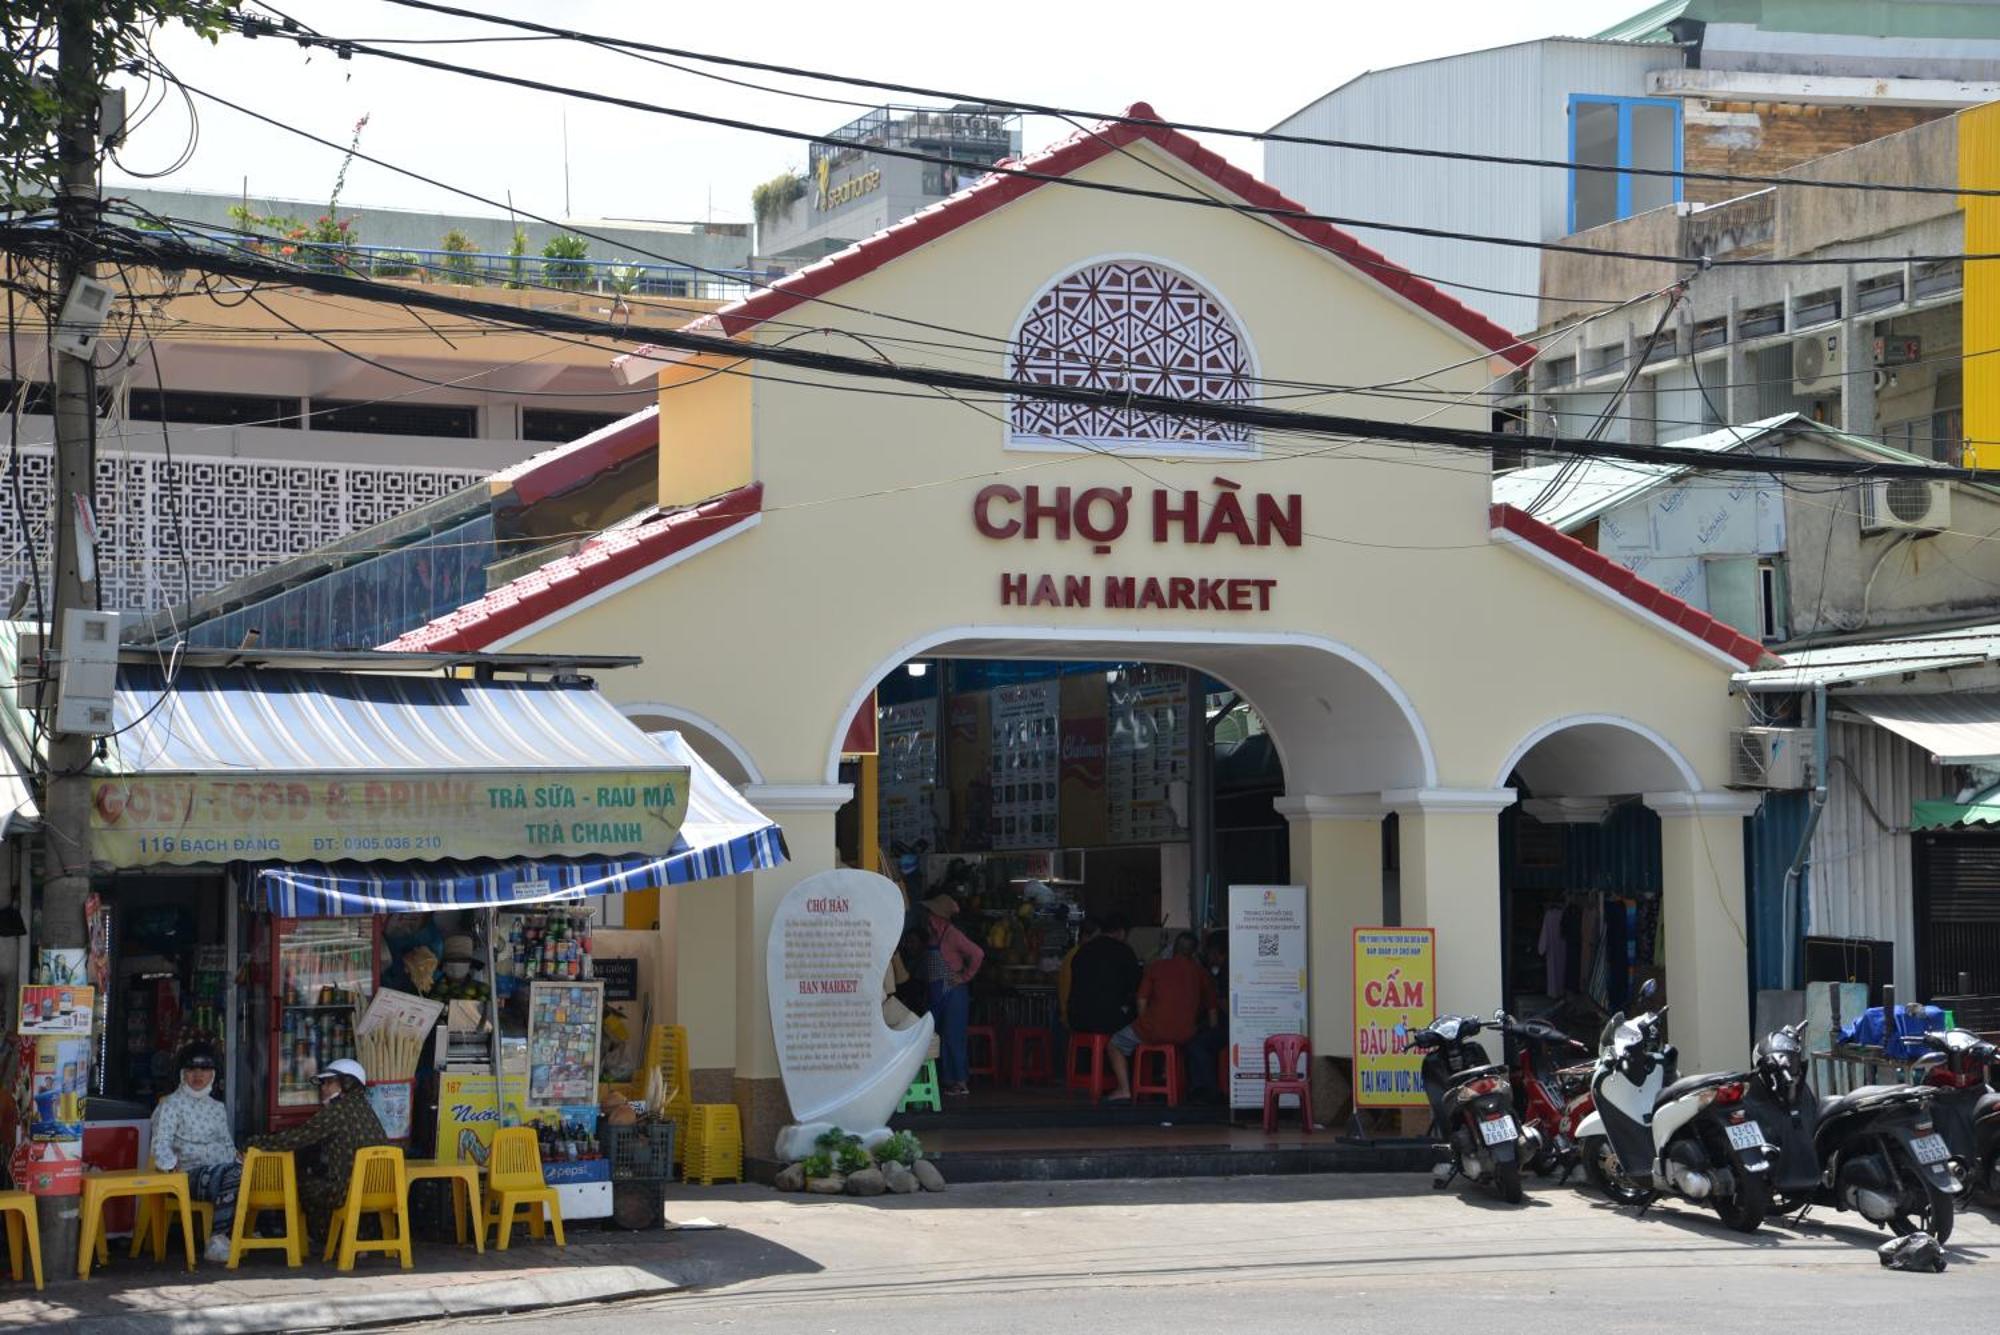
x=184, y=820
x=1191, y=524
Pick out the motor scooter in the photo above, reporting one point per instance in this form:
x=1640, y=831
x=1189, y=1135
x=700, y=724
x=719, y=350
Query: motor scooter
x=1472, y=1108
x=1554, y=1098
x=1877, y=1149
x=1693, y=1138
x=1955, y=1066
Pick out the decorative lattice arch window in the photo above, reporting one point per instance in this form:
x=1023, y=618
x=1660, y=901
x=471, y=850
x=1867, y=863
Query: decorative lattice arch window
x=1127, y=325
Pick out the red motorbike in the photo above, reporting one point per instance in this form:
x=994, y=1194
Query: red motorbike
x=1555, y=1098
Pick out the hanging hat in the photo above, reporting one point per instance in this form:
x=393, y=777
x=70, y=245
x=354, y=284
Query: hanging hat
x=942, y=905
x=457, y=946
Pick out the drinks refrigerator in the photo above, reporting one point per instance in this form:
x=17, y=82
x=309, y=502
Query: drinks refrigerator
x=318, y=976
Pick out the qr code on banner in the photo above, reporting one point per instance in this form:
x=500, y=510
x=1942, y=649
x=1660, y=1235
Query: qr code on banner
x=1267, y=945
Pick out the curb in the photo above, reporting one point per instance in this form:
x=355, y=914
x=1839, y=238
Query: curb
x=593, y=1284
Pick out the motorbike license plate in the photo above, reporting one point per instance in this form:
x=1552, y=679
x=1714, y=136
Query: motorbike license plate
x=1499, y=1131
x=1930, y=1149
x=1745, y=1136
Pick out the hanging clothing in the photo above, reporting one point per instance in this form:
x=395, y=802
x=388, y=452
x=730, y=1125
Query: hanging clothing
x=1572, y=932
x=1554, y=950
x=1617, y=954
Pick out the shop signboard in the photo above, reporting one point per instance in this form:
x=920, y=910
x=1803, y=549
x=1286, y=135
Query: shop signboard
x=1395, y=991
x=1267, y=980
x=57, y=1010
x=468, y=1113
x=145, y=820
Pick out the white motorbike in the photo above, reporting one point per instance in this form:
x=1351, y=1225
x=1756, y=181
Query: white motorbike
x=1652, y=1135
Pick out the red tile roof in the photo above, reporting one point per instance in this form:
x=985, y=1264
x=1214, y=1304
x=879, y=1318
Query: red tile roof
x=1647, y=595
x=555, y=471
x=603, y=560
x=992, y=191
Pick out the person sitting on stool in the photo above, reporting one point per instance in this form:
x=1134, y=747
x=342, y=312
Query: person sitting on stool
x=1174, y=994
x=344, y=1124
x=190, y=1134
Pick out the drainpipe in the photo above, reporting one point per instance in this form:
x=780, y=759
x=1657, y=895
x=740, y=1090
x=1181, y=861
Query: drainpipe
x=1793, y=938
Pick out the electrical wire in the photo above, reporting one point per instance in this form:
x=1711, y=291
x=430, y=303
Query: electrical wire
x=1286, y=212
x=1117, y=118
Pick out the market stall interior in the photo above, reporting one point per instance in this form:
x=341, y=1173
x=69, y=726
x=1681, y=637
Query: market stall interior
x=469, y=948
x=1042, y=800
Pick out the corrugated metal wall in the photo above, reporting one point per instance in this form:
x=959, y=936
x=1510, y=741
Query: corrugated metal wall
x=1513, y=101
x=1771, y=844
x=1861, y=874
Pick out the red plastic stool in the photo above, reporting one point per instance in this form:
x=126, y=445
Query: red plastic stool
x=987, y=1062
x=1032, y=1057
x=1168, y=1085
x=1097, y=1079
x=1292, y=1075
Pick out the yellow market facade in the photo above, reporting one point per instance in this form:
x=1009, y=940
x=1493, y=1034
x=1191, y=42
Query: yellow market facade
x=1410, y=648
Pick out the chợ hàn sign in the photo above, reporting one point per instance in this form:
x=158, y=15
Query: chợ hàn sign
x=145, y=820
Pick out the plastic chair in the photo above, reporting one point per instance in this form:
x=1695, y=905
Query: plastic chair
x=151, y=1223
x=1293, y=1056
x=270, y=1182
x=1168, y=1086
x=99, y=1187
x=514, y=1181
x=715, y=1144
x=375, y=1186
x=667, y=1049
x=923, y=1091
x=19, y=1207
x=1098, y=1078
x=1032, y=1057
x=987, y=1063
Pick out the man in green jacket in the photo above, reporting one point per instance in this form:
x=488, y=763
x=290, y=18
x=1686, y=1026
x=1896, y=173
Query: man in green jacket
x=344, y=1123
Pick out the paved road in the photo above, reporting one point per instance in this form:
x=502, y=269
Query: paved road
x=1270, y=1253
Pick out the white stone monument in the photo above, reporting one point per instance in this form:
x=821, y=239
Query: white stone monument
x=825, y=964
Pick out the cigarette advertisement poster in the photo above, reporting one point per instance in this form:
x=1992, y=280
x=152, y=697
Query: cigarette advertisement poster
x=565, y=1035
x=65, y=1010
x=1267, y=980
x=1395, y=990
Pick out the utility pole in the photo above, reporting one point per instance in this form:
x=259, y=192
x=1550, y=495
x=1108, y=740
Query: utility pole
x=66, y=808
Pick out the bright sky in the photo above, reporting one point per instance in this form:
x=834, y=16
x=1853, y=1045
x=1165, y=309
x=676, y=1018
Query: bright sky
x=1243, y=63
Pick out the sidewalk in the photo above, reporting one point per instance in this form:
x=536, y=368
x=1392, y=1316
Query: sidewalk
x=142, y=1297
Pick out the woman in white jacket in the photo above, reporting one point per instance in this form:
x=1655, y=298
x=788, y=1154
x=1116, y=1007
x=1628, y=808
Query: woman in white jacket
x=191, y=1135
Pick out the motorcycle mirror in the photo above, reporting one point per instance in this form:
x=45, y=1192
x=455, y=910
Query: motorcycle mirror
x=1648, y=990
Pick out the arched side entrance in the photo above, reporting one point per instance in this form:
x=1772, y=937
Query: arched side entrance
x=1618, y=866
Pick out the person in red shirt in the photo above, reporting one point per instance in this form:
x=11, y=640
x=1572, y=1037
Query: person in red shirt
x=1176, y=994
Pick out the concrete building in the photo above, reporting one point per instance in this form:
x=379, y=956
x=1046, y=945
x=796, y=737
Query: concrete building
x=849, y=192
x=257, y=441
x=1411, y=652
x=1694, y=85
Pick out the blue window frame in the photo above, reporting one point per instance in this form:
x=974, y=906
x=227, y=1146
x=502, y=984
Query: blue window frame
x=1621, y=132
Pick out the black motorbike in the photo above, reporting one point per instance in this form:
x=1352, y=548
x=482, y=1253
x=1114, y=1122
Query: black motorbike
x=1878, y=1152
x=1472, y=1108
x=1786, y=1112
x=1955, y=1066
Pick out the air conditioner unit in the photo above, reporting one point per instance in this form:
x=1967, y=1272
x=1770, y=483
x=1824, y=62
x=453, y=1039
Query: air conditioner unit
x=1816, y=365
x=1905, y=503
x=1771, y=758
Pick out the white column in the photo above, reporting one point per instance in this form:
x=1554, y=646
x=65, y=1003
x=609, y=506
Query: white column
x=1703, y=913
x=1337, y=854
x=1450, y=842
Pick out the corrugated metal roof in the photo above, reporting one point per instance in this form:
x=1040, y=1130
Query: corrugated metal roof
x=1959, y=728
x=1602, y=484
x=1875, y=660
x=1648, y=25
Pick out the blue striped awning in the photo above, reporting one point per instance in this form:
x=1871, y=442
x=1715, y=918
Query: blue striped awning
x=723, y=835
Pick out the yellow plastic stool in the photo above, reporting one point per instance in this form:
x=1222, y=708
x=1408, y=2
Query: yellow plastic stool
x=513, y=1181
x=667, y=1050
x=715, y=1144
x=151, y=1223
x=376, y=1187
x=101, y=1186
x=19, y=1207
x=270, y=1182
